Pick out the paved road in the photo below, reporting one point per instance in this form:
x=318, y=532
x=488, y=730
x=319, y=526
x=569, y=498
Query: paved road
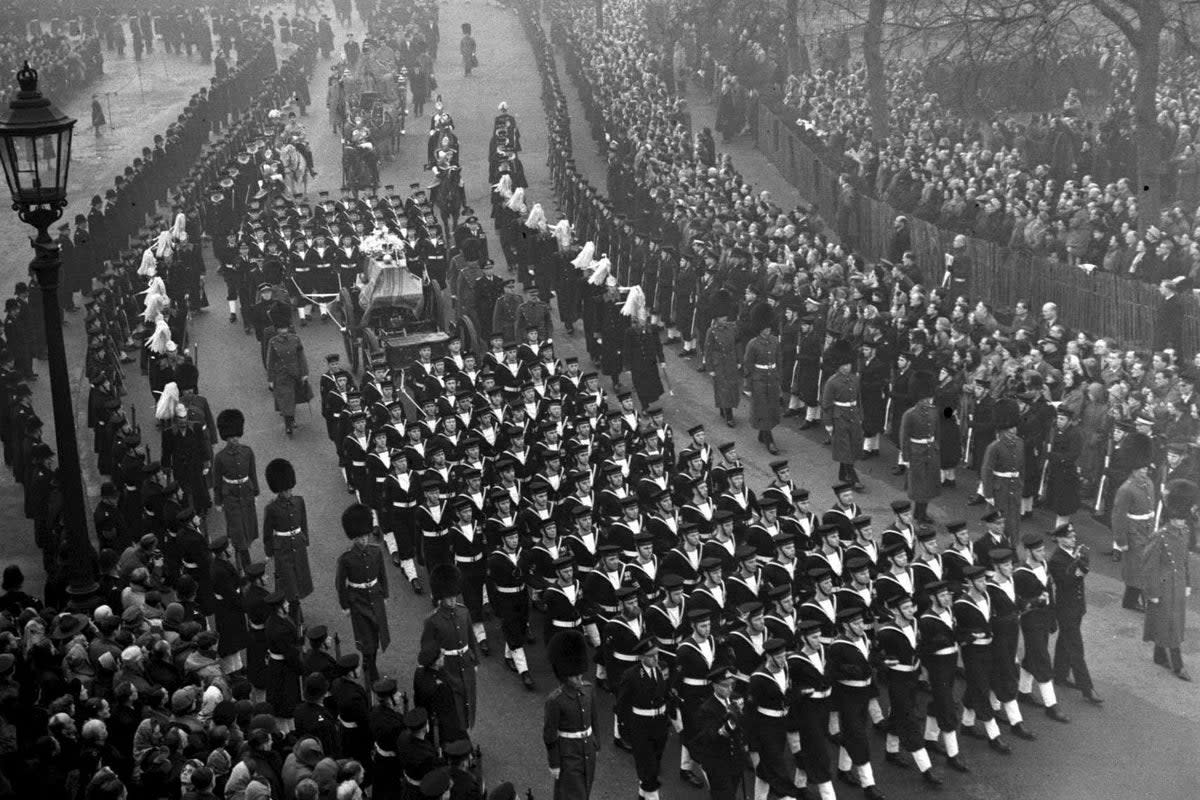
x=1143, y=741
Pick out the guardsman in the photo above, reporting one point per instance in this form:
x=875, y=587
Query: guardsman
x=643, y=706
x=841, y=412
x=510, y=598
x=760, y=365
x=235, y=484
x=898, y=654
x=285, y=535
x=1035, y=596
x=569, y=722
x=449, y=628
x=362, y=587
x=919, y=448
x=1003, y=471
x=1133, y=513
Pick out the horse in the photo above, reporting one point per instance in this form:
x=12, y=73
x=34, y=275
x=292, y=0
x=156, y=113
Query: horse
x=359, y=170
x=294, y=167
x=448, y=196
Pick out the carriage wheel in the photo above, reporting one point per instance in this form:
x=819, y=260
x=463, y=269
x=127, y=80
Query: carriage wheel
x=351, y=345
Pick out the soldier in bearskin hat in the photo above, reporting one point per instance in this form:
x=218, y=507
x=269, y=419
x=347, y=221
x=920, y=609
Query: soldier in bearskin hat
x=1133, y=516
x=1165, y=577
x=362, y=587
x=841, y=411
x=235, y=484
x=449, y=628
x=570, y=723
x=1002, y=474
x=285, y=535
x=919, y=447
x=760, y=364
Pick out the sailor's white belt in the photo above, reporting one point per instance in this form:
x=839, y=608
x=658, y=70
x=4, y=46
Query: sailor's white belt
x=778, y=713
x=468, y=559
x=411, y=780
x=624, y=657
x=695, y=682
x=433, y=534
x=981, y=642
x=1006, y=474
x=130, y=488
x=845, y=404
x=358, y=463
x=236, y=480
x=902, y=667
x=584, y=568
x=1140, y=517
x=946, y=651
x=462, y=651
x=510, y=589
x=857, y=684
x=368, y=585
x=287, y=534
x=819, y=694
x=300, y=269
x=409, y=504
x=564, y=623
x=190, y=565
x=252, y=626
x=764, y=366
x=380, y=478
x=346, y=723
x=668, y=641
x=583, y=734
x=649, y=712
x=274, y=656
x=921, y=441
x=608, y=609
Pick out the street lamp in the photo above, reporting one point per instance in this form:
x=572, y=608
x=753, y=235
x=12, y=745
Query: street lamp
x=35, y=149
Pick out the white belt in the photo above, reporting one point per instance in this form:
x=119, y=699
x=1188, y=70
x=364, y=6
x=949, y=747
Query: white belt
x=624, y=657
x=1006, y=474
x=462, y=651
x=564, y=623
x=649, y=712
x=1140, y=517
x=921, y=441
x=981, y=642
x=902, y=668
x=764, y=366
x=778, y=713
x=608, y=609
x=286, y=534
x=274, y=656
x=946, y=651
x=347, y=724
x=358, y=463
x=695, y=682
x=510, y=589
x=468, y=559
x=434, y=535
x=583, y=734
x=409, y=504
x=857, y=684
x=845, y=404
x=236, y=480
x=411, y=781
x=254, y=627
x=820, y=694
x=368, y=585
x=190, y=565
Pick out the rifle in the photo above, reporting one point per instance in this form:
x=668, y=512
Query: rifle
x=887, y=414
x=1099, y=506
x=970, y=440
x=1045, y=468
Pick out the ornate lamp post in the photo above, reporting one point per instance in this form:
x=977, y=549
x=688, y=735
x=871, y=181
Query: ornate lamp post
x=35, y=149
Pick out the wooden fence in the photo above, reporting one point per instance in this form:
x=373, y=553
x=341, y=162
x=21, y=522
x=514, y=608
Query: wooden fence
x=1102, y=303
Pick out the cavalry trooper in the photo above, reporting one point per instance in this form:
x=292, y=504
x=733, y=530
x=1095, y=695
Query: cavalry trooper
x=362, y=587
x=899, y=655
x=643, y=706
x=510, y=599
x=569, y=719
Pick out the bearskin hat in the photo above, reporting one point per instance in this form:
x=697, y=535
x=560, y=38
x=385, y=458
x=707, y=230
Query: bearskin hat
x=445, y=581
x=724, y=306
x=1180, y=501
x=761, y=318
x=231, y=423
x=187, y=377
x=841, y=352
x=1006, y=414
x=1138, y=449
x=357, y=520
x=281, y=475
x=924, y=384
x=280, y=316
x=567, y=651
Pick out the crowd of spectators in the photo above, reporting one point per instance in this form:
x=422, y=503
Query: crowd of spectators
x=1061, y=184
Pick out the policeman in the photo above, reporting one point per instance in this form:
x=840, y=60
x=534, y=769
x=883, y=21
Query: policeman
x=570, y=722
x=362, y=587
x=643, y=699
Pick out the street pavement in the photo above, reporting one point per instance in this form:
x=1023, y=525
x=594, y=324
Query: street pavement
x=1141, y=742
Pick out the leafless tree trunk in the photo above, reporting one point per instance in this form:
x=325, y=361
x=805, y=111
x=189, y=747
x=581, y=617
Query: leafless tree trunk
x=876, y=72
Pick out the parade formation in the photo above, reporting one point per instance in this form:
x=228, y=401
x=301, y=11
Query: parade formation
x=528, y=476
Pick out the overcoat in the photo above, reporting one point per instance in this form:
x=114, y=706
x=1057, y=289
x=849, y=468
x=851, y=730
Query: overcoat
x=840, y=410
x=285, y=539
x=235, y=485
x=919, y=448
x=760, y=363
x=287, y=371
x=1165, y=577
x=1062, y=473
x=720, y=354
